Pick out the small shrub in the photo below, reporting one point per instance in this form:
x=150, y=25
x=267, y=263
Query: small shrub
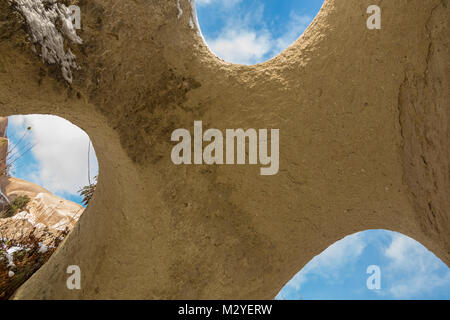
x=15, y=206
x=27, y=262
x=87, y=192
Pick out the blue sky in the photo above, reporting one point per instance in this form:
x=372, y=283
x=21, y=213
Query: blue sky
x=407, y=270
x=253, y=31
x=250, y=32
x=58, y=160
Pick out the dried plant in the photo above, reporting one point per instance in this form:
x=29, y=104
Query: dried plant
x=26, y=262
x=88, y=191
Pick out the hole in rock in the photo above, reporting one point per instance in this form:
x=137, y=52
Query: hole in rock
x=48, y=174
x=373, y=264
x=253, y=31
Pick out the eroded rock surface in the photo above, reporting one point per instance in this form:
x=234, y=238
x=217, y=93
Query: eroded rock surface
x=29, y=237
x=363, y=142
x=3, y=147
x=45, y=212
x=29, y=234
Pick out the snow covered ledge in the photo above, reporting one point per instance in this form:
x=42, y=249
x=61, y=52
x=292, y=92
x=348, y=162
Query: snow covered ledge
x=49, y=24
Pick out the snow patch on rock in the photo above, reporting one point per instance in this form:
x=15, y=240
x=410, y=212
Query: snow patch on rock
x=180, y=11
x=42, y=248
x=193, y=21
x=42, y=17
x=24, y=215
x=4, y=197
x=9, y=255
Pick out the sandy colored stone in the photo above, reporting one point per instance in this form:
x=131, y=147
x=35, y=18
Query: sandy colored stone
x=3, y=144
x=44, y=207
x=3, y=126
x=20, y=230
x=46, y=215
x=364, y=144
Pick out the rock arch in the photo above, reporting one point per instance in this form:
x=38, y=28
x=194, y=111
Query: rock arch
x=391, y=264
x=364, y=144
x=3, y=144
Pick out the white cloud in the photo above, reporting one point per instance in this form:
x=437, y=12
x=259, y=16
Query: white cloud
x=203, y=2
x=226, y=3
x=61, y=149
x=296, y=26
x=241, y=46
x=408, y=269
x=245, y=39
x=418, y=285
x=412, y=270
x=16, y=120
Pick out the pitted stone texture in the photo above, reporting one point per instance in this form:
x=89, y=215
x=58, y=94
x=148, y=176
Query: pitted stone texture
x=341, y=96
x=3, y=145
x=3, y=126
x=46, y=215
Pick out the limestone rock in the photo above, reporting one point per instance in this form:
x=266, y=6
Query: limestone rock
x=3, y=145
x=3, y=126
x=19, y=230
x=360, y=147
x=34, y=233
x=45, y=210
